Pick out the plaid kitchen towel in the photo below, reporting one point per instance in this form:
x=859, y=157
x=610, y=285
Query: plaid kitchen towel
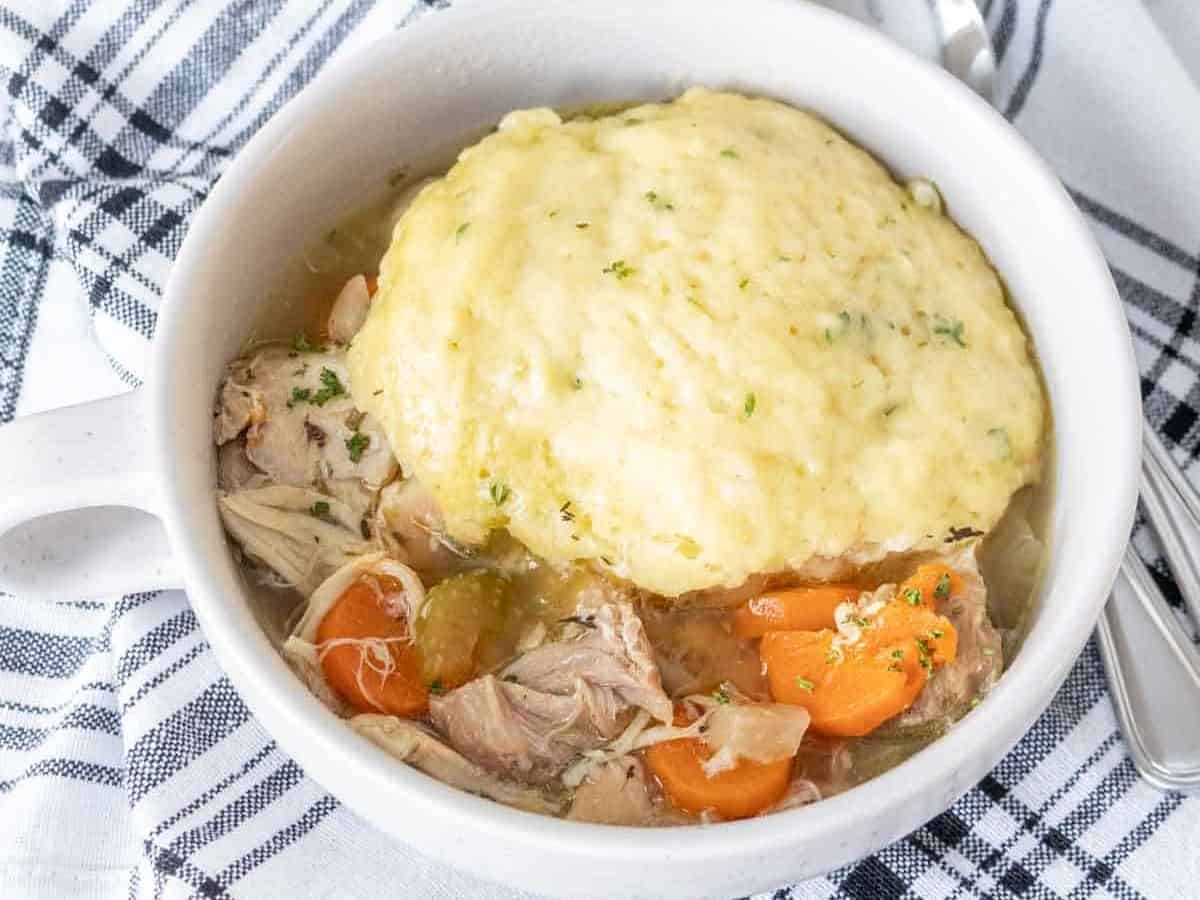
x=128, y=764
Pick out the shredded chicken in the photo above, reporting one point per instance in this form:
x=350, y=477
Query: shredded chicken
x=528, y=734
x=557, y=700
x=276, y=526
x=290, y=415
x=614, y=792
x=422, y=749
x=611, y=652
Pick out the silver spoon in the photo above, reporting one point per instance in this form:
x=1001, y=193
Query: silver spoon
x=1153, y=667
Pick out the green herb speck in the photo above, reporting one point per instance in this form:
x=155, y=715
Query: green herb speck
x=912, y=597
x=951, y=329
x=942, y=590
x=721, y=696
x=804, y=684
x=743, y=284
x=460, y=231
x=299, y=395
x=356, y=444
x=750, y=403
x=619, y=268
x=499, y=492
x=730, y=153
x=331, y=386
x=320, y=509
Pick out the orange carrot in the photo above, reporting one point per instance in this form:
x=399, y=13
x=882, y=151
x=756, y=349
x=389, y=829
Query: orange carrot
x=805, y=608
x=738, y=793
x=378, y=669
x=846, y=697
x=852, y=689
x=932, y=582
x=372, y=285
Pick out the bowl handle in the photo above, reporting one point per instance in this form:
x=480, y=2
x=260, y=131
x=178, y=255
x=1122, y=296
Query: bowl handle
x=80, y=500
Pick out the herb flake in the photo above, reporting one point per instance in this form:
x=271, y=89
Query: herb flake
x=804, y=684
x=951, y=329
x=356, y=445
x=331, y=386
x=320, y=509
x=619, y=268
x=499, y=492
x=750, y=404
x=942, y=589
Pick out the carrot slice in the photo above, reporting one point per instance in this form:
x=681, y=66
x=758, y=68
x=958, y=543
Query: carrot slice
x=846, y=697
x=377, y=668
x=738, y=793
x=851, y=690
x=931, y=582
x=806, y=608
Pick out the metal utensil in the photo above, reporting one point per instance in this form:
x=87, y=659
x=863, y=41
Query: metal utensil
x=1152, y=665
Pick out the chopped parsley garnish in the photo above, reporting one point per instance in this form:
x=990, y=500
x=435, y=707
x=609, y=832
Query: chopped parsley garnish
x=749, y=405
x=942, y=589
x=658, y=202
x=320, y=509
x=619, y=268
x=832, y=656
x=299, y=395
x=894, y=667
x=912, y=596
x=804, y=684
x=331, y=386
x=897, y=654
x=937, y=634
x=743, y=284
x=436, y=688
x=499, y=492
x=721, y=696
x=730, y=153
x=975, y=701
x=582, y=225
x=606, y=560
x=952, y=329
x=460, y=231
x=356, y=444
x=924, y=655
x=577, y=383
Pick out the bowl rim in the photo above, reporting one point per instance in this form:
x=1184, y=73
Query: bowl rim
x=279, y=700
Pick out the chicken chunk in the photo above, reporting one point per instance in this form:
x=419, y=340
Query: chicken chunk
x=614, y=792
x=529, y=734
x=612, y=652
x=422, y=749
x=557, y=700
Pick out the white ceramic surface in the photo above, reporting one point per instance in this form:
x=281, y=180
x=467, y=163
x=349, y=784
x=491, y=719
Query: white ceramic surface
x=451, y=75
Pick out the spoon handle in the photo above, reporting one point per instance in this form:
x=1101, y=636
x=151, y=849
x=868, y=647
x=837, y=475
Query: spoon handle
x=1154, y=678
x=1172, y=506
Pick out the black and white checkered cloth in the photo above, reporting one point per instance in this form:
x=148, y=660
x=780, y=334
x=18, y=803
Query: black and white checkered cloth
x=128, y=764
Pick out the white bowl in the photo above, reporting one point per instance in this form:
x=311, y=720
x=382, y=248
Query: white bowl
x=428, y=87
